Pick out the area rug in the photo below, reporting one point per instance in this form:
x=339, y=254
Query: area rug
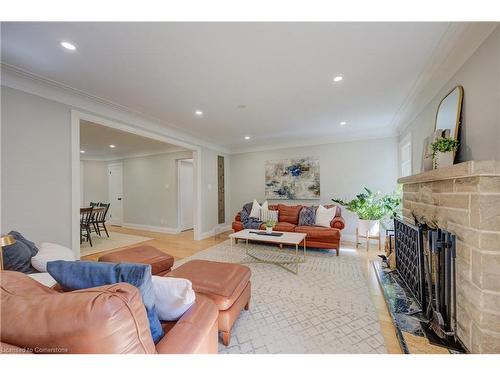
x=326, y=308
x=114, y=241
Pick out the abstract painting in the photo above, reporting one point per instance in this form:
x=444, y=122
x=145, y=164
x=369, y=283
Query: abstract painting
x=292, y=179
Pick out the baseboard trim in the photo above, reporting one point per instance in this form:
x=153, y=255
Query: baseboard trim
x=214, y=231
x=352, y=238
x=151, y=228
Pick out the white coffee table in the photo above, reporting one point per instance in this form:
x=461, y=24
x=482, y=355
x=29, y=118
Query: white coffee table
x=286, y=238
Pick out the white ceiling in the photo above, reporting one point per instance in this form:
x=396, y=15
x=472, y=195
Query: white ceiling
x=95, y=140
x=281, y=72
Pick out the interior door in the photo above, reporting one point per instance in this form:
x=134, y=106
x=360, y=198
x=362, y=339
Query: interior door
x=115, y=193
x=185, y=206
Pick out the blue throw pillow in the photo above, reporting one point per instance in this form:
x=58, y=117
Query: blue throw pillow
x=307, y=216
x=17, y=257
x=31, y=245
x=83, y=275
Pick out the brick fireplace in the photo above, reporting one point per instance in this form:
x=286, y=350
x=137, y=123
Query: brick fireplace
x=465, y=200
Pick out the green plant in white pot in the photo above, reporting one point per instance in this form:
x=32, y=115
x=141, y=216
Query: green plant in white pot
x=372, y=207
x=269, y=224
x=443, y=152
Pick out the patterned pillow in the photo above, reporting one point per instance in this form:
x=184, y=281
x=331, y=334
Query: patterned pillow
x=307, y=216
x=266, y=215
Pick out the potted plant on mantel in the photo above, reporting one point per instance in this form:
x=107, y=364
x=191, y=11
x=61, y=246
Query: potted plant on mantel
x=372, y=207
x=443, y=152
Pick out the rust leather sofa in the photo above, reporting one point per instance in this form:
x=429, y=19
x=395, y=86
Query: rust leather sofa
x=317, y=237
x=107, y=319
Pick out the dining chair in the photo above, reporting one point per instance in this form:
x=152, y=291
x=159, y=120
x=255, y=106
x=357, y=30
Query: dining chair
x=85, y=224
x=101, y=218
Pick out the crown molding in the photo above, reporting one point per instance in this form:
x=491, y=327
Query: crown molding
x=386, y=134
x=22, y=80
x=457, y=45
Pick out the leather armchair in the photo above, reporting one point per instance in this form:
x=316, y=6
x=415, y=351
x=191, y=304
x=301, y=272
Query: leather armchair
x=107, y=319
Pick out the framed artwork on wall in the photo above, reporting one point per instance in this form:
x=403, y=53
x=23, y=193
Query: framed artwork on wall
x=293, y=178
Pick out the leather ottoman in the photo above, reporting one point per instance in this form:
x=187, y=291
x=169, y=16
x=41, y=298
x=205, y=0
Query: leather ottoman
x=160, y=262
x=226, y=284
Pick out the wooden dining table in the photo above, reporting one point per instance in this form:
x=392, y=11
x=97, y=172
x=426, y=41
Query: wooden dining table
x=94, y=209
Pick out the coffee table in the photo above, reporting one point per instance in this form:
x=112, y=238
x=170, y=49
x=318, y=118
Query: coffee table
x=286, y=238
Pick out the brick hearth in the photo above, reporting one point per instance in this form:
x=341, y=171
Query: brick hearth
x=465, y=199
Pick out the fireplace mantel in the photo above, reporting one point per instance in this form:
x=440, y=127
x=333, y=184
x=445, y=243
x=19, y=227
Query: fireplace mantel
x=465, y=200
x=465, y=169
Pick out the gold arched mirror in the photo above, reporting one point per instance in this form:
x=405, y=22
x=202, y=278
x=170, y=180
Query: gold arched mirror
x=449, y=112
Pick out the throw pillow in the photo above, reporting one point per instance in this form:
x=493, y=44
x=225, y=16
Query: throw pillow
x=324, y=216
x=266, y=215
x=307, y=216
x=83, y=274
x=43, y=278
x=19, y=237
x=17, y=257
x=173, y=297
x=256, y=207
x=49, y=252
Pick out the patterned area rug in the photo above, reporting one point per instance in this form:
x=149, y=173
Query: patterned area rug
x=326, y=308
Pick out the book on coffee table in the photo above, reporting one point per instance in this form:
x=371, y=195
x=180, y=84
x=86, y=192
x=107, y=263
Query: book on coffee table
x=274, y=234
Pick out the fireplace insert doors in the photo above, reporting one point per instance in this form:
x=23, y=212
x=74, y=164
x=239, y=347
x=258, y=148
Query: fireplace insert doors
x=410, y=259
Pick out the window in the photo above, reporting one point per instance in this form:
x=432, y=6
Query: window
x=405, y=156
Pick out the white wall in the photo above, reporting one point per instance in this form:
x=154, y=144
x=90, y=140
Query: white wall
x=36, y=167
x=95, y=181
x=480, y=129
x=150, y=189
x=345, y=168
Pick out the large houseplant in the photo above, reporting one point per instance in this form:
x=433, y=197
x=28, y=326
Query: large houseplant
x=372, y=207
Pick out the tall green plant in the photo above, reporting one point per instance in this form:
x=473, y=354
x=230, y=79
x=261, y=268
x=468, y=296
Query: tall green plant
x=370, y=205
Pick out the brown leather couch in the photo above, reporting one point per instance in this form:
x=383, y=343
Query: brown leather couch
x=107, y=319
x=317, y=237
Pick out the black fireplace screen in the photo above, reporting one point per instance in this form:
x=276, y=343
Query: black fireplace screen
x=410, y=259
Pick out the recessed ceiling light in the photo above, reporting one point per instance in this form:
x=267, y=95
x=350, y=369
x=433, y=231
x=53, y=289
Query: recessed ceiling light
x=68, y=45
x=338, y=79
x=247, y=137
x=198, y=113
x=82, y=151
x=112, y=146
x=343, y=123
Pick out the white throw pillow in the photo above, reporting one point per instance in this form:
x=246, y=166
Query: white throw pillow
x=173, y=297
x=48, y=252
x=266, y=215
x=325, y=215
x=256, y=207
x=43, y=278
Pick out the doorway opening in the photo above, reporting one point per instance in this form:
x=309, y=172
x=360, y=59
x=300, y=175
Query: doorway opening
x=139, y=175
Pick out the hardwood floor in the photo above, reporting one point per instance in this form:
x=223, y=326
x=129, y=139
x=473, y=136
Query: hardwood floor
x=178, y=245
x=183, y=245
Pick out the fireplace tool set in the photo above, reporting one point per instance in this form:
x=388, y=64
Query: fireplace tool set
x=440, y=273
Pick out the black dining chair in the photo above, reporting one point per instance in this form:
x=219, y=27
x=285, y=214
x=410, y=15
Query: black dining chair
x=101, y=218
x=85, y=224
